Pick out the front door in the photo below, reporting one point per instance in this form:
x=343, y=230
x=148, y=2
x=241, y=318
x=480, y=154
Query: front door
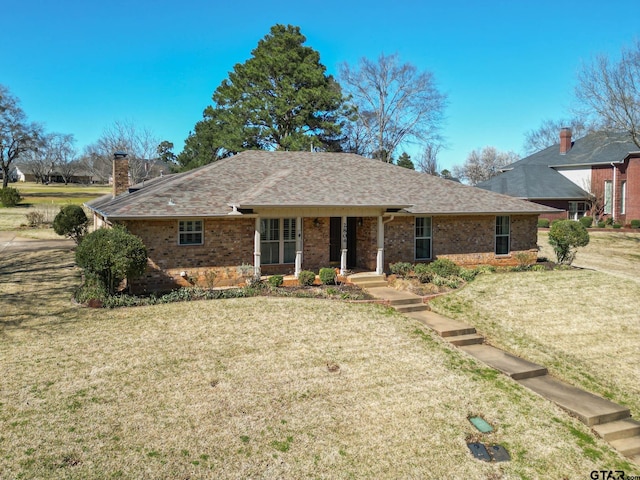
x=335, y=240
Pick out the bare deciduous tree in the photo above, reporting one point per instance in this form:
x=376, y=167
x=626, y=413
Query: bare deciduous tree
x=140, y=145
x=394, y=103
x=17, y=136
x=428, y=159
x=611, y=91
x=548, y=133
x=483, y=164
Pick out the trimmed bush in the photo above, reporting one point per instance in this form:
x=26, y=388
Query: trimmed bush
x=444, y=267
x=71, y=222
x=275, y=281
x=35, y=218
x=586, y=221
x=112, y=255
x=9, y=197
x=617, y=225
x=543, y=223
x=401, y=269
x=327, y=276
x=306, y=278
x=601, y=224
x=565, y=237
x=635, y=223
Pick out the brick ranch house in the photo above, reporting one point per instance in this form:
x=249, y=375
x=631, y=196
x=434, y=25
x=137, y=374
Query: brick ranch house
x=283, y=212
x=602, y=165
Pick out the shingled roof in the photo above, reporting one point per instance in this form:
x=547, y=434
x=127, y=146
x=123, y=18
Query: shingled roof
x=254, y=179
x=536, y=177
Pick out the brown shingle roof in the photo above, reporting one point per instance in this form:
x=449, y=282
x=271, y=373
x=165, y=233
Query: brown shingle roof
x=254, y=179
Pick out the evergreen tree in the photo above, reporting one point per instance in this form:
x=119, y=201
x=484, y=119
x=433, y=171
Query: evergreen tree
x=404, y=160
x=279, y=99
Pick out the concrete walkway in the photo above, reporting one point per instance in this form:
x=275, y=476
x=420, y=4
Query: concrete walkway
x=609, y=420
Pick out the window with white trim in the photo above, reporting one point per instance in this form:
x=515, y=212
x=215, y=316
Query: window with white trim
x=190, y=232
x=608, y=197
x=623, y=197
x=577, y=210
x=277, y=240
x=423, y=238
x=503, y=234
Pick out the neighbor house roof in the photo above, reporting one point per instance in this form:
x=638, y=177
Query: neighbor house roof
x=536, y=177
x=254, y=179
x=534, y=182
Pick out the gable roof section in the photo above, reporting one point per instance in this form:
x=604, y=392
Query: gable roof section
x=534, y=182
x=254, y=179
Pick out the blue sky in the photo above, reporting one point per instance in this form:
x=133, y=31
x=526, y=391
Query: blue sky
x=78, y=66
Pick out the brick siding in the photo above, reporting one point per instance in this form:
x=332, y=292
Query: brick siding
x=228, y=243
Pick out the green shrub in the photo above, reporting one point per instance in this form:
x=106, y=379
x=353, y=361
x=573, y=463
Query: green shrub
x=601, y=224
x=423, y=273
x=444, y=267
x=543, y=223
x=556, y=221
x=484, y=269
x=608, y=222
x=71, y=222
x=275, y=280
x=565, y=237
x=635, y=223
x=401, y=269
x=617, y=225
x=112, y=255
x=586, y=221
x=306, y=278
x=538, y=268
x=327, y=276
x=10, y=197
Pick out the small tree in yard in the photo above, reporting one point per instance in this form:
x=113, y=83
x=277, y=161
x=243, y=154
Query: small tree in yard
x=565, y=237
x=112, y=255
x=71, y=222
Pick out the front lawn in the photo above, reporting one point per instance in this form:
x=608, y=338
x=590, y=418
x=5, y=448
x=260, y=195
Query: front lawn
x=255, y=388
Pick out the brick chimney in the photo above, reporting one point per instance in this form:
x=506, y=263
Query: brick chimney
x=120, y=173
x=565, y=140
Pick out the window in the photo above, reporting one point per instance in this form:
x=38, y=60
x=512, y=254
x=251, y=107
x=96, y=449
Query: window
x=190, y=232
x=608, y=197
x=502, y=235
x=423, y=238
x=277, y=240
x=577, y=210
x=623, y=195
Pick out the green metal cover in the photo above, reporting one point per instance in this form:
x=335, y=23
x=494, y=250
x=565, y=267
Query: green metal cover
x=481, y=424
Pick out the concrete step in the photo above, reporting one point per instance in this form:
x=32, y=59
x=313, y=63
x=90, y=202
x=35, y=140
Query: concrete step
x=469, y=339
x=627, y=446
x=359, y=278
x=589, y=408
x=516, y=367
x=619, y=429
x=372, y=284
x=411, y=307
x=635, y=458
x=443, y=326
x=393, y=296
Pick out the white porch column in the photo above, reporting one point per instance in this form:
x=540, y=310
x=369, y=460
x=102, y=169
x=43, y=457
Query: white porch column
x=343, y=246
x=256, y=249
x=298, y=265
x=380, y=256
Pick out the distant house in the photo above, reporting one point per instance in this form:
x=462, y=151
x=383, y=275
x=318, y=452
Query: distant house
x=281, y=212
x=602, y=166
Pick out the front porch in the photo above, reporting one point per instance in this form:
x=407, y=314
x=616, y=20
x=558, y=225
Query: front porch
x=287, y=245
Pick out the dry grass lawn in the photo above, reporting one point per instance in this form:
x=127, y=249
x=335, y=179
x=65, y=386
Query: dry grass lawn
x=255, y=388
x=582, y=324
x=46, y=199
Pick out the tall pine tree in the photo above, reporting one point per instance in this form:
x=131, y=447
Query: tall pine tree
x=279, y=99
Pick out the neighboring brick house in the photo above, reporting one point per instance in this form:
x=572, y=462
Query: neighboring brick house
x=280, y=212
x=602, y=168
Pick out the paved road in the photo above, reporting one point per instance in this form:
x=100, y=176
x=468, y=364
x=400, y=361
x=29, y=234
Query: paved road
x=11, y=242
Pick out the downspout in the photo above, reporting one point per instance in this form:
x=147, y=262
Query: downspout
x=613, y=193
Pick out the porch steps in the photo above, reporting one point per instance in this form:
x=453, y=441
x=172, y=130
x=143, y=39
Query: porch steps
x=468, y=339
x=368, y=280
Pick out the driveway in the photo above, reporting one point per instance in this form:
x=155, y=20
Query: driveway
x=11, y=242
